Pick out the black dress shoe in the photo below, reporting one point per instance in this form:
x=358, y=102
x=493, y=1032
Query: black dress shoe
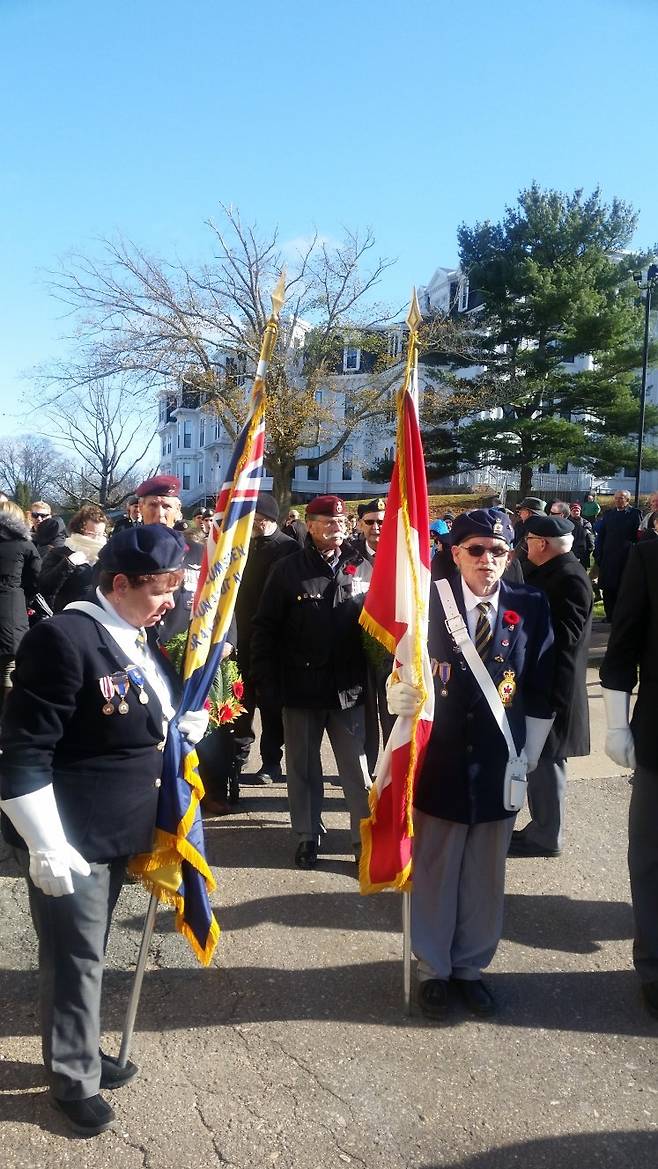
x=433, y=998
x=521, y=846
x=112, y=1075
x=267, y=775
x=262, y=778
x=476, y=996
x=650, y=997
x=306, y=856
x=87, y=1117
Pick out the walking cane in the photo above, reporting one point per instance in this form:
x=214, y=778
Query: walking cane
x=406, y=950
x=133, y=1001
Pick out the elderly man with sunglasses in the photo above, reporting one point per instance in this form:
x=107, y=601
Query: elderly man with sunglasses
x=490, y=643
x=379, y=662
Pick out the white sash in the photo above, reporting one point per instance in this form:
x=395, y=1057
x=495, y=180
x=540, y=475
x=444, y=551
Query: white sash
x=515, y=774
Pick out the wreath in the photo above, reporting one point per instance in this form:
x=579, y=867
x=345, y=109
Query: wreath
x=224, y=697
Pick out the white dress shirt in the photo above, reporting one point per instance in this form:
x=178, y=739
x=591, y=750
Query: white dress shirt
x=471, y=602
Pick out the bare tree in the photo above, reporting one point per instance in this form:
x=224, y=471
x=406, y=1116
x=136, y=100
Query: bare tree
x=31, y=468
x=101, y=424
x=152, y=324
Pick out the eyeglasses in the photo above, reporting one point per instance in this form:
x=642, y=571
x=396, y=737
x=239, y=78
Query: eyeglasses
x=477, y=550
x=40, y=515
x=369, y=523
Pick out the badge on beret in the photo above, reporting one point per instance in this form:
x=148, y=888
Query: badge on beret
x=507, y=688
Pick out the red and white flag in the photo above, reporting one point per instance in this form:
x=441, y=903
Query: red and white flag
x=395, y=612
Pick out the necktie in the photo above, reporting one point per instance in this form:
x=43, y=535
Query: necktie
x=141, y=640
x=483, y=633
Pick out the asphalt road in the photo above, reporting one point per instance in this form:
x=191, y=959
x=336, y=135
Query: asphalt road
x=293, y=1050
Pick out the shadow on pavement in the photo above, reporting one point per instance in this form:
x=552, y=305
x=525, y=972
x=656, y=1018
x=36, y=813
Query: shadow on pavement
x=604, y=1002
x=563, y=923
x=591, y=1150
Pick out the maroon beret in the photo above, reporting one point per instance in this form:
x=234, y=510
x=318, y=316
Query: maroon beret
x=159, y=485
x=329, y=505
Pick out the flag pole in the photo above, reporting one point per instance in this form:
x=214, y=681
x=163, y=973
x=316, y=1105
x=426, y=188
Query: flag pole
x=268, y=342
x=406, y=949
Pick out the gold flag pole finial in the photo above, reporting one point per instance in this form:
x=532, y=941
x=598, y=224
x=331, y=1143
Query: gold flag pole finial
x=272, y=326
x=414, y=316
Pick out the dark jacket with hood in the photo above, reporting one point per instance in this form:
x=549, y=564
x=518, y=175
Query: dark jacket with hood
x=51, y=533
x=19, y=575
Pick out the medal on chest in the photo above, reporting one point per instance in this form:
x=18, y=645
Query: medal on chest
x=137, y=678
x=107, y=690
x=121, y=685
x=507, y=688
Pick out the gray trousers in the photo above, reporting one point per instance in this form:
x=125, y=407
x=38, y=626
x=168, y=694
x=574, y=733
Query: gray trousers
x=72, y=932
x=303, y=731
x=643, y=869
x=547, y=786
x=377, y=713
x=458, y=894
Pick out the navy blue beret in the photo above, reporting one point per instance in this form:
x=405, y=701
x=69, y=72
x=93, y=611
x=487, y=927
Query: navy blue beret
x=143, y=550
x=373, y=505
x=548, y=526
x=483, y=521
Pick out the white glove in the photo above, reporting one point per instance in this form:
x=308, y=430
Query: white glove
x=536, y=733
x=402, y=697
x=194, y=725
x=619, y=745
x=77, y=558
x=52, y=859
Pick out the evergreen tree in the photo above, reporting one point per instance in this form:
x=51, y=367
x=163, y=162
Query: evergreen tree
x=555, y=285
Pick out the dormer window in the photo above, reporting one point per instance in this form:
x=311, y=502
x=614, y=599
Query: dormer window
x=351, y=359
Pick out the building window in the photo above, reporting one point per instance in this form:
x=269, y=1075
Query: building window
x=187, y=433
x=351, y=359
x=394, y=344
x=178, y=436
x=463, y=296
x=187, y=476
x=202, y=432
x=217, y=427
x=200, y=479
x=318, y=396
x=169, y=443
x=164, y=448
x=347, y=462
x=313, y=473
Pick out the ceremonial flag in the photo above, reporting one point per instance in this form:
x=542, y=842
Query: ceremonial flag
x=395, y=612
x=176, y=870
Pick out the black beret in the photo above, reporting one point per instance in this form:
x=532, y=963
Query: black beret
x=267, y=506
x=146, y=549
x=548, y=526
x=377, y=504
x=483, y=521
x=159, y=485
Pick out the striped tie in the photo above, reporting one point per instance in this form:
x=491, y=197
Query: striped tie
x=141, y=640
x=483, y=633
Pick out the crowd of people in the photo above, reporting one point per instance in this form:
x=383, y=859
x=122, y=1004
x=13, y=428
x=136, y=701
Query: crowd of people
x=89, y=695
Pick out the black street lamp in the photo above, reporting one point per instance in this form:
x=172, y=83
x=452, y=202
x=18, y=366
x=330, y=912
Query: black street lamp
x=650, y=287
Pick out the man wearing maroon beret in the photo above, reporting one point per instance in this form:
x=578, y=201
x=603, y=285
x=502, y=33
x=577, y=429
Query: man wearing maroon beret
x=159, y=500
x=306, y=650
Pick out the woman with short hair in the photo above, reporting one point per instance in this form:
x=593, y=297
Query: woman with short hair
x=67, y=572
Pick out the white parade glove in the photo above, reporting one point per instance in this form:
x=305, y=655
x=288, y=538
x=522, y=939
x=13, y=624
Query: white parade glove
x=619, y=745
x=77, y=558
x=402, y=697
x=52, y=859
x=536, y=733
x=194, y=725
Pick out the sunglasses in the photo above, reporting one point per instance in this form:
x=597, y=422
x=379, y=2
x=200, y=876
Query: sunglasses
x=369, y=523
x=477, y=550
x=40, y=515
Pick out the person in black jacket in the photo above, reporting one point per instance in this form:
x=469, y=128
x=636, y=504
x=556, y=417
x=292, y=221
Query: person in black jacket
x=617, y=533
x=295, y=528
x=66, y=572
x=553, y=568
x=306, y=652
x=19, y=581
x=82, y=747
x=268, y=546
x=131, y=518
x=633, y=647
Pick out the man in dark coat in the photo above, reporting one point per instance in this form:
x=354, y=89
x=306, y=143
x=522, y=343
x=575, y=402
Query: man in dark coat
x=583, y=535
x=82, y=746
x=462, y=825
x=379, y=662
x=633, y=646
x=131, y=518
x=306, y=652
x=553, y=568
x=20, y=565
x=268, y=545
x=616, y=535
x=295, y=527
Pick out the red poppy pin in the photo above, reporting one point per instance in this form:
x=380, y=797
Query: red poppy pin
x=511, y=618
x=349, y=569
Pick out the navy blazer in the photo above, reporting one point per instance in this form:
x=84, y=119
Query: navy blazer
x=105, y=769
x=464, y=766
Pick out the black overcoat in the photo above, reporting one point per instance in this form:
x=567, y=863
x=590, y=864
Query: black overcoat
x=616, y=536
x=464, y=766
x=306, y=646
x=633, y=646
x=569, y=593
x=19, y=575
x=105, y=769
x=264, y=553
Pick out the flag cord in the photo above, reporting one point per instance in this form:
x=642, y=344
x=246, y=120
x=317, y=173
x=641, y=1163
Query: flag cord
x=133, y=1001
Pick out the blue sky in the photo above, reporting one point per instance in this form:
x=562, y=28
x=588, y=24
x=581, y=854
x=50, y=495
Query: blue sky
x=138, y=116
